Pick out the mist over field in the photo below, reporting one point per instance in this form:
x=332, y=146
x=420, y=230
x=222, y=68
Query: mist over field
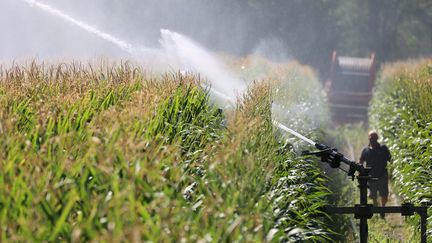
x=304, y=30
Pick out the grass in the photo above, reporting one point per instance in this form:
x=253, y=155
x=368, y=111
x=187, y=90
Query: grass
x=102, y=152
x=389, y=231
x=402, y=113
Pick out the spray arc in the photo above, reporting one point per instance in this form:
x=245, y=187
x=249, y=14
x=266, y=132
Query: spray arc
x=118, y=42
x=178, y=49
x=175, y=49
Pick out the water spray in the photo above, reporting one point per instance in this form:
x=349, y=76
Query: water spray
x=286, y=129
x=175, y=49
x=195, y=57
x=120, y=43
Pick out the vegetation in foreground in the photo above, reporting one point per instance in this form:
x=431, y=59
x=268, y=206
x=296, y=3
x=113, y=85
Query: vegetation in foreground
x=104, y=153
x=401, y=110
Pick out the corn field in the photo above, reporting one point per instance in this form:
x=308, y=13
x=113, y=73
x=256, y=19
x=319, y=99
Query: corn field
x=106, y=152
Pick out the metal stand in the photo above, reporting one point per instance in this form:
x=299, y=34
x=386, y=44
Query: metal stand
x=365, y=211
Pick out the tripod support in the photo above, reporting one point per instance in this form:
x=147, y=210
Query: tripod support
x=364, y=211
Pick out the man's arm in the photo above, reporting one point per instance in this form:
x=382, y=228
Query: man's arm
x=389, y=157
x=363, y=156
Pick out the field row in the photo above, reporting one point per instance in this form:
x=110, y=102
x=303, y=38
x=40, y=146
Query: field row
x=401, y=110
x=107, y=154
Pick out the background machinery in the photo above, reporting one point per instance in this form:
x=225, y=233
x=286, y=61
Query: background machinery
x=349, y=88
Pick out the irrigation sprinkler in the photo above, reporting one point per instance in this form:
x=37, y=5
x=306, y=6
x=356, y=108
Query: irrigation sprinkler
x=362, y=211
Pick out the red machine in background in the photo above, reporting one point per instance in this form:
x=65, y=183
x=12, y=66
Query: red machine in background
x=349, y=88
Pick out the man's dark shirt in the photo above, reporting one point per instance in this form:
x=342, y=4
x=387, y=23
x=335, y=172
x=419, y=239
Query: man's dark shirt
x=376, y=159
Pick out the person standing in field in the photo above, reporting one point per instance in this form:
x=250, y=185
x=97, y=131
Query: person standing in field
x=376, y=157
